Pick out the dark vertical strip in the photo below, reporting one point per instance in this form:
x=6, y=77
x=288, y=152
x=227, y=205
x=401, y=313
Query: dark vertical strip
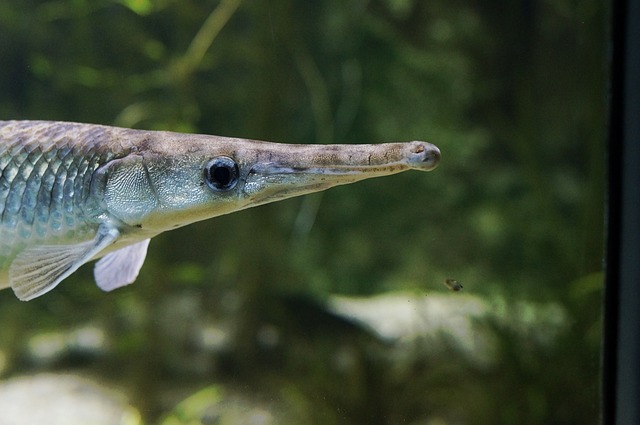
x=621, y=348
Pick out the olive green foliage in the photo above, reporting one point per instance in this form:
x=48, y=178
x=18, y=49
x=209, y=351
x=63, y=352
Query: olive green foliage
x=513, y=93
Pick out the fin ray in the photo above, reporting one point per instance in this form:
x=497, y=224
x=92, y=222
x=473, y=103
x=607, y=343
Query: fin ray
x=39, y=269
x=121, y=267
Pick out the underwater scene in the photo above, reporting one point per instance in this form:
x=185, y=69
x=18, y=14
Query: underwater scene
x=468, y=295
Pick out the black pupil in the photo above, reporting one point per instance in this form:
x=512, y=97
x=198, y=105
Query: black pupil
x=221, y=173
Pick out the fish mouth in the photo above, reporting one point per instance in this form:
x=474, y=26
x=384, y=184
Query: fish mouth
x=268, y=182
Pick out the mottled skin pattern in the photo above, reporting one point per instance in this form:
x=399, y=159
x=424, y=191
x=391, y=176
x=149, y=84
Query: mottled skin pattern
x=73, y=192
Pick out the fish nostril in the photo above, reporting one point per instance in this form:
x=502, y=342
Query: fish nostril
x=419, y=149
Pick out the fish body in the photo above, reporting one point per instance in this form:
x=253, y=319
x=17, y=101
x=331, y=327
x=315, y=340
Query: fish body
x=71, y=193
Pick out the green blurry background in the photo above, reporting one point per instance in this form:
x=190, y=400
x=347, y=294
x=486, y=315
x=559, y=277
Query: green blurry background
x=251, y=313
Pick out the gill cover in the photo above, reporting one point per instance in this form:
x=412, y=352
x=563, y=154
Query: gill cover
x=126, y=189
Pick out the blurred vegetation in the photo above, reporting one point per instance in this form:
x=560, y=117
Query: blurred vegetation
x=513, y=93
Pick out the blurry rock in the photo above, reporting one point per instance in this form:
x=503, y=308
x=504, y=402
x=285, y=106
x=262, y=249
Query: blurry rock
x=215, y=406
x=49, y=347
x=57, y=399
x=405, y=316
x=443, y=320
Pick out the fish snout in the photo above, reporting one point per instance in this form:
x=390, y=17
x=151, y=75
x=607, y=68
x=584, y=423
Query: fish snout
x=423, y=156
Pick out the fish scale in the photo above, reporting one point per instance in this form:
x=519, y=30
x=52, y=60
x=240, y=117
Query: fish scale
x=42, y=192
x=71, y=193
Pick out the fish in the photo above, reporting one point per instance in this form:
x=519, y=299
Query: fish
x=71, y=193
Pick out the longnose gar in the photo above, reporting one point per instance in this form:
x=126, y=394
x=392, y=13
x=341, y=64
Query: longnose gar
x=71, y=193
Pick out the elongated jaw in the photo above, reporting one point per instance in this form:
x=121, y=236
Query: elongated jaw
x=304, y=169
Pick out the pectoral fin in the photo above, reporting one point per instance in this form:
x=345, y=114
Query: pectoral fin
x=37, y=270
x=121, y=267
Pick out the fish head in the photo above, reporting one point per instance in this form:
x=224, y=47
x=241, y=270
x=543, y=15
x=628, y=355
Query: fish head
x=178, y=180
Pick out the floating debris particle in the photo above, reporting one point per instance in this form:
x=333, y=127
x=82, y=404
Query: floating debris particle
x=453, y=284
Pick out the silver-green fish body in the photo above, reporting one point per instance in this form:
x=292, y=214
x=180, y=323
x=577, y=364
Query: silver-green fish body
x=70, y=193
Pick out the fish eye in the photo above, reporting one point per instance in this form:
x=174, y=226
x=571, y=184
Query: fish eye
x=221, y=173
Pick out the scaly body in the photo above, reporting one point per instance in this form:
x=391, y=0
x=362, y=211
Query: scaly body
x=70, y=193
